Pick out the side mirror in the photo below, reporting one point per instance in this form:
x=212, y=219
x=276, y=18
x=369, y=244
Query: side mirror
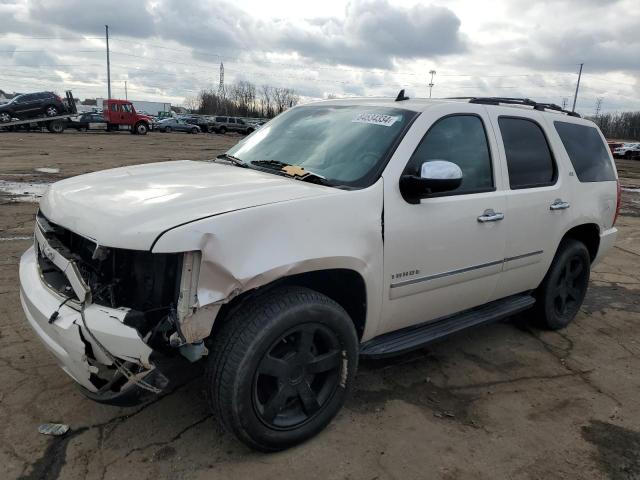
x=435, y=176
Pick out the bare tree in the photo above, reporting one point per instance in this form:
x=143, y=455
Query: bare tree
x=243, y=99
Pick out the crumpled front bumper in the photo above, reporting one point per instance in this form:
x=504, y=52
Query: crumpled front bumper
x=73, y=347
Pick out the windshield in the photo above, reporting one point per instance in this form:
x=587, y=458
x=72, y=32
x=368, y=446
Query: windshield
x=347, y=145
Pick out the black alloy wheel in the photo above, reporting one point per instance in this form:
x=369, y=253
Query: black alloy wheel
x=564, y=287
x=297, y=376
x=570, y=286
x=281, y=367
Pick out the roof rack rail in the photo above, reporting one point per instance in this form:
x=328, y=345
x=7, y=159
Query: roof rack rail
x=517, y=101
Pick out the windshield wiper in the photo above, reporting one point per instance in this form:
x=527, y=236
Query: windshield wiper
x=232, y=159
x=308, y=175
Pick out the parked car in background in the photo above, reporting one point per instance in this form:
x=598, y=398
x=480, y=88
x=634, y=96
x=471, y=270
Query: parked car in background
x=231, y=124
x=628, y=150
x=613, y=145
x=88, y=121
x=178, y=125
x=32, y=105
x=205, y=122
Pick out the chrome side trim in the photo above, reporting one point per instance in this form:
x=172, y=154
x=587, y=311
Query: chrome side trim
x=525, y=255
x=445, y=274
x=463, y=270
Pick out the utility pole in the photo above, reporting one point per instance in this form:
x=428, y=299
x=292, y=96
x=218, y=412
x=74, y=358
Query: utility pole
x=106, y=29
x=221, y=83
x=126, y=96
x=565, y=100
x=598, y=105
x=575, y=96
x=432, y=72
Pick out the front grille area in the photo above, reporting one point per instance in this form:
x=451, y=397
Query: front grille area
x=140, y=280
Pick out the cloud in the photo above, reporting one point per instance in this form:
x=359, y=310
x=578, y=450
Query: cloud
x=131, y=18
x=373, y=34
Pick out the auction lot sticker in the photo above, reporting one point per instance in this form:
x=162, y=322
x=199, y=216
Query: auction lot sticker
x=375, y=119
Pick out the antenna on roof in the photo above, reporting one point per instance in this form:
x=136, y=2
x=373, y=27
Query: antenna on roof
x=401, y=96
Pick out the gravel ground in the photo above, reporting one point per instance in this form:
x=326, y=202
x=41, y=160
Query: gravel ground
x=502, y=401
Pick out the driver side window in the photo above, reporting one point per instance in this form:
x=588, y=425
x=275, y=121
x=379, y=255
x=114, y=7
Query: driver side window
x=460, y=139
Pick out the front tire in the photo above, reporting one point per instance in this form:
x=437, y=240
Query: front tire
x=141, y=128
x=563, y=289
x=5, y=117
x=282, y=367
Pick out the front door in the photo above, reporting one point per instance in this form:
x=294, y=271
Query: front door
x=445, y=253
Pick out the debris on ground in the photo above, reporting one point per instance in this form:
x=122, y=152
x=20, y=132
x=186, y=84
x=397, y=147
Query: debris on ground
x=54, y=429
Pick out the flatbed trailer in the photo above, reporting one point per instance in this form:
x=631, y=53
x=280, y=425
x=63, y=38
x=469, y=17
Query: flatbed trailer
x=55, y=124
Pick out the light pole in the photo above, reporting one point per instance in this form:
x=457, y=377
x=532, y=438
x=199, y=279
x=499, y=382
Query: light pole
x=432, y=72
x=106, y=29
x=575, y=96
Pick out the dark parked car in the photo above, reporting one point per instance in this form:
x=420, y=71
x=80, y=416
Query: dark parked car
x=231, y=124
x=173, y=124
x=205, y=122
x=32, y=105
x=85, y=121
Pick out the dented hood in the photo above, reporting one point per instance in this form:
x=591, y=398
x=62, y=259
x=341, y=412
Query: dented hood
x=130, y=207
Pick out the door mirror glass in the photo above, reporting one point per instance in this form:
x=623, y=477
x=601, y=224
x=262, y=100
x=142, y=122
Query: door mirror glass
x=436, y=176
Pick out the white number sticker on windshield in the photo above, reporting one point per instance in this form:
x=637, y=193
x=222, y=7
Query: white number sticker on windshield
x=375, y=119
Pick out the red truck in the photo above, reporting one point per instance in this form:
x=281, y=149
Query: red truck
x=121, y=115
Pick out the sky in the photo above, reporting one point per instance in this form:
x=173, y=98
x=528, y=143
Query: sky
x=167, y=50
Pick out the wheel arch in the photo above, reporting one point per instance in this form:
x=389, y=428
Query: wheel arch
x=587, y=233
x=344, y=286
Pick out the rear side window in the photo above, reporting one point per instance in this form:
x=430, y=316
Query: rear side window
x=459, y=139
x=529, y=159
x=587, y=152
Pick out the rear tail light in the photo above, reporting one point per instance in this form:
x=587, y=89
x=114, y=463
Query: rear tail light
x=618, y=199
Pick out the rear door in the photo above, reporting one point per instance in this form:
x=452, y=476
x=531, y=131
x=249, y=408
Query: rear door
x=537, y=198
x=127, y=116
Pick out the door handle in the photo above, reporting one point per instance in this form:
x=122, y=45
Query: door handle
x=490, y=216
x=558, y=204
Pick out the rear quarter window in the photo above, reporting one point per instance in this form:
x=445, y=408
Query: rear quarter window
x=587, y=152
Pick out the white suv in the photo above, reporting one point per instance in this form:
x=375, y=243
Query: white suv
x=628, y=150
x=341, y=229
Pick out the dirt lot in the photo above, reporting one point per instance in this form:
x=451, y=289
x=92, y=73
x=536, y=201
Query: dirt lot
x=503, y=401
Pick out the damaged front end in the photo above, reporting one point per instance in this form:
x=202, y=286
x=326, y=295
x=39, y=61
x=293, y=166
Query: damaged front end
x=111, y=316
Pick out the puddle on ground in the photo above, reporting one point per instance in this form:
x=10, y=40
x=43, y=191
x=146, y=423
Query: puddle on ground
x=23, y=191
x=15, y=239
x=618, y=449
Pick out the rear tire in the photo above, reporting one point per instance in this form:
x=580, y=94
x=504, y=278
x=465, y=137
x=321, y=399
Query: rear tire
x=194, y=131
x=55, y=126
x=167, y=129
x=222, y=131
x=563, y=289
x=282, y=367
x=51, y=111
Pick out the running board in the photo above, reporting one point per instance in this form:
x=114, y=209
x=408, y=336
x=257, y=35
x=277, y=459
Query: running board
x=414, y=337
